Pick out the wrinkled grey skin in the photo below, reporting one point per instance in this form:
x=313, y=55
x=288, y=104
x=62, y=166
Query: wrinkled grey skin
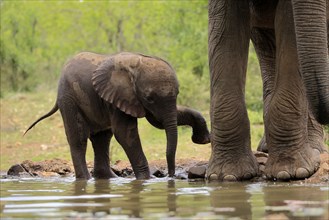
x=294, y=66
x=103, y=95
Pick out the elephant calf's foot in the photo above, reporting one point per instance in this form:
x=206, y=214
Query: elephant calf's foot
x=232, y=168
x=300, y=165
x=143, y=174
x=104, y=174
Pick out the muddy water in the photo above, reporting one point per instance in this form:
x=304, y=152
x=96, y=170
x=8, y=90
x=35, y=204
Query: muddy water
x=65, y=198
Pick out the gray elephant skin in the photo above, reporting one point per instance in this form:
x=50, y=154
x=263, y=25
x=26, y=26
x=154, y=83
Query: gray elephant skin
x=291, y=41
x=103, y=95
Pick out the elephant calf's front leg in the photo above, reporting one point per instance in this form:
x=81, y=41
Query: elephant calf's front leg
x=126, y=132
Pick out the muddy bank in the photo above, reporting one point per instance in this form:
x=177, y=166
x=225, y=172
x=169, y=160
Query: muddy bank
x=185, y=168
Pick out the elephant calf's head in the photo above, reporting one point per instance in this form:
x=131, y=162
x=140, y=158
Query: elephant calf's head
x=133, y=82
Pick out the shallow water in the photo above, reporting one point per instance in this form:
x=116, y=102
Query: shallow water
x=122, y=198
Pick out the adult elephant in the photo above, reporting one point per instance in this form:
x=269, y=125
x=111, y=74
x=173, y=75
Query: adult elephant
x=103, y=95
x=294, y=63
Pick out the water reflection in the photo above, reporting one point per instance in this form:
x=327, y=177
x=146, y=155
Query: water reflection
x=297, y=201
x=141, y=197
x=80, y=189
x=231, y=200
x=161, y=198
x=134, y=201
x=172, y=197
x=95, y=188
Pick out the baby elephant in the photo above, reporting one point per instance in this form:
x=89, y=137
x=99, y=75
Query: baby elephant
x=103, y=95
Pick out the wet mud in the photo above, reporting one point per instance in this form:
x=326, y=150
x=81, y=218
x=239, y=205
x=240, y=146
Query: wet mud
x=185, y=169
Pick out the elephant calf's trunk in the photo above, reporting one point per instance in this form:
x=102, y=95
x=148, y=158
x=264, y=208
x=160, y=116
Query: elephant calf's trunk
x=170, y=126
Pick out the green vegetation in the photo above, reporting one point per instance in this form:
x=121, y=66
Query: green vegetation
x=38, y=37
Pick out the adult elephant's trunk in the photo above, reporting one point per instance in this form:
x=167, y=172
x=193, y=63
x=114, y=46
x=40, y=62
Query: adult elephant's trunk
x=170, y=126
x=311, y=36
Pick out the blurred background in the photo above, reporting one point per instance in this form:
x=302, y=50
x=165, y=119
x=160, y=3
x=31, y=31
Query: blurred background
x=38, y=37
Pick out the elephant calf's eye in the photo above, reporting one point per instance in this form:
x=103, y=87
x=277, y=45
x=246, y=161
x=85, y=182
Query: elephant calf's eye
x=149, y=99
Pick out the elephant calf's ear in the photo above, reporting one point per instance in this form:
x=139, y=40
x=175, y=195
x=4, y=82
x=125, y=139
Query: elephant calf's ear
x=116, y=87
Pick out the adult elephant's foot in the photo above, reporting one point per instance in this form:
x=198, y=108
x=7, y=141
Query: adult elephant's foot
x=235, y=167
x=285, y=166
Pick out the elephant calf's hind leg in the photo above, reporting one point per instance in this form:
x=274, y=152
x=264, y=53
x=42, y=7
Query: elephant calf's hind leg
x=77, y=132
x=101, y=143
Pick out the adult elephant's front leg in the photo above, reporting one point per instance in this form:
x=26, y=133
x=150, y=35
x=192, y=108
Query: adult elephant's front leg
x=229, y=35
x=264, y=43
x=291, y=155
x=125, y=131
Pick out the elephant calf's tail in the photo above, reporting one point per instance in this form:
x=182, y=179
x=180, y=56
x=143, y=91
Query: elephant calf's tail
x=52, y=111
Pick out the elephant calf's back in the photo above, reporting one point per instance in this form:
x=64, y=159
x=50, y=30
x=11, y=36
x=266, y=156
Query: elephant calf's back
x=82, y=64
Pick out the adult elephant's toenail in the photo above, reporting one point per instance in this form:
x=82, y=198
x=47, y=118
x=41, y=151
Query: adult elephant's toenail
x=268, y=177
x=317, y=152
x=230, y=178
x=247, y=176
x=317, y=166
x=213, y=177
x=283, y=175
x=302, y=173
